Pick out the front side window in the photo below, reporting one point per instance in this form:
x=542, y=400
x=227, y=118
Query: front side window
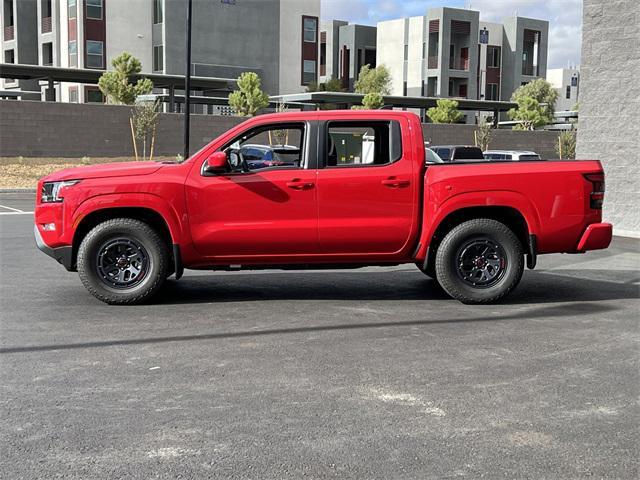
x=310, y=29
x=94, y=9
x=363, y=143
x=94, y=54
x=275, y=146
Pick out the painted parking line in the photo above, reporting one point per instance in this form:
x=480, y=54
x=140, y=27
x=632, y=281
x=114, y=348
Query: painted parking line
x=16, y=213
x=12, y=209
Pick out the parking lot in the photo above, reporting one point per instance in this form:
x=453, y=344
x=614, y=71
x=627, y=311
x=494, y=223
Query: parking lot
x=371, y=373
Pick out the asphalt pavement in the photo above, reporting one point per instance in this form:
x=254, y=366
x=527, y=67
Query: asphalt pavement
x=371, y=373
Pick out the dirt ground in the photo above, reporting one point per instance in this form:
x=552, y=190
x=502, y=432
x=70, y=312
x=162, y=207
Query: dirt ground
x=22, y=172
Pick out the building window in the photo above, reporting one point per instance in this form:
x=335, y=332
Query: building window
x=94, y=9
x=94, y=54
x=492, y=91
x=493, y=57
x=158, y=58
x=406, y=53
x=73, y=94
x=72, y=8
x=9, y=56
x=424, y=49
x=8, y=14
x=309, y=72
x=47, y=54
x=574, y=81
x=310, y=29
x=158, y=14
x=568, y=91
x=73, y=53
x=93, y=95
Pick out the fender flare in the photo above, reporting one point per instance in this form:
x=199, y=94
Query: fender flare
x=477, y=199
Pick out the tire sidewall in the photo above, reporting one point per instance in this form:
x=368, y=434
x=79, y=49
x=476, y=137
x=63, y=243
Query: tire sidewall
x=446, y=261
x=96, y=238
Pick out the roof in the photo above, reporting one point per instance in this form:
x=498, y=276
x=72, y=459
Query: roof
x=517, y=152
x=342, y=98
x=86, y=75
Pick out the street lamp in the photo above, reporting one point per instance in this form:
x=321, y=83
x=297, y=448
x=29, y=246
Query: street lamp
x=187, y=85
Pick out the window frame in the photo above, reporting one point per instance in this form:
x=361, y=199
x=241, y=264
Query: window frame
x=393, y=124
x=305, y=30
x=306, y=152
x=158, y=58
x=86, y=9
x=101, y=55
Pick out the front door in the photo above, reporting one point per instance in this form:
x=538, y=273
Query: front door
x=366, y=189
x=266, y=204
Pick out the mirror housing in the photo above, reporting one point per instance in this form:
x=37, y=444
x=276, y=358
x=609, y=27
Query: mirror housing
x=217, y=162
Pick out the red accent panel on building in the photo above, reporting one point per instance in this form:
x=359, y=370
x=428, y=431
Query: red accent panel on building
x=460, y=27
x=493, y=75
x=434, y=26
x=73, y=31
x=95, y=30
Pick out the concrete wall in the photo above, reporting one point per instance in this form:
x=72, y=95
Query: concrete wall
x=123, y=35
x=41, y=129
x=610, y=105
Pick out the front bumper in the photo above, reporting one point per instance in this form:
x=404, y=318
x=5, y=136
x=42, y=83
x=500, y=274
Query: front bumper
x=63, y=255
x=596, y=237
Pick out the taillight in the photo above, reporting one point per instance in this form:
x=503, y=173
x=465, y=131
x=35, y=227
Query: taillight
x=596, y=198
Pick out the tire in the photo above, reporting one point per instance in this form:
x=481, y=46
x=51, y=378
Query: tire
x=429, y=272
x=123, y=261
x=479, y=261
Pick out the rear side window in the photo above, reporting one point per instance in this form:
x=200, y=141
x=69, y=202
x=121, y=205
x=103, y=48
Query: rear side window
x=363, y=143
x=443, y=153
x=468, y=153
x=530, y=157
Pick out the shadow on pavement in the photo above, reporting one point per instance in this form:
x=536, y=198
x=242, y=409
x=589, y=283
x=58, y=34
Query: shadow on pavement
x=535, y=288
x=541, y=312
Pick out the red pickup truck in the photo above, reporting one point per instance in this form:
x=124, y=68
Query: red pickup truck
x=334, y=189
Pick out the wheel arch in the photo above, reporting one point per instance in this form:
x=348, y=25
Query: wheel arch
x=508, y=215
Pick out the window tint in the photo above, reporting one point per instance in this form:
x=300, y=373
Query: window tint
x=530, y=157
x=468, y=153
x=269, y=146
x=94, y=9
x=363, y=143
x=443, y=153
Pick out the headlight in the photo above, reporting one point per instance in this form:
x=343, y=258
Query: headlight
x=51, y=190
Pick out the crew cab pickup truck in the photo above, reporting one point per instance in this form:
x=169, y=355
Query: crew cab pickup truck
x=356, y=191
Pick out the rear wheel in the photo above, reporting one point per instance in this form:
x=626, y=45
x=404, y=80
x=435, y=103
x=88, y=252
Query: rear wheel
x=479, y=261
x=123, y=261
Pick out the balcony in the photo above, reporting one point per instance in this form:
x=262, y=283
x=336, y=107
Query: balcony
x=432, y=62
x=46, y=25
x=8, y=33
x=459, y=64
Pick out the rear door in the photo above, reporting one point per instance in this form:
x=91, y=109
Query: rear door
x=366, y=187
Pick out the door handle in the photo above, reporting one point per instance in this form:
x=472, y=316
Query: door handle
x=297, y=184
x=395, y=183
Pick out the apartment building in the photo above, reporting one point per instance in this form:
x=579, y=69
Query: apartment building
x=278, y=39
x=344, y=50
x=566, y=81
x=450, y=52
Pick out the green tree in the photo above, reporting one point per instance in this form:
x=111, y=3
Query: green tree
x=249, y=99
x=115, y=84
x=446, y=111
x=529, y=114
x=566, y=146
x=374, y=83
x=331, y=85
x=541, y=91
x=482, y=136
x=144, y=119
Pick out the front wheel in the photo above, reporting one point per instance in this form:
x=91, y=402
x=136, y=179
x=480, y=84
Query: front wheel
x=479, y=261
x=123, y=261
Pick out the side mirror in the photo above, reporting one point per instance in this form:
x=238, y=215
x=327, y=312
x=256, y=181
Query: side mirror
x=217, y=162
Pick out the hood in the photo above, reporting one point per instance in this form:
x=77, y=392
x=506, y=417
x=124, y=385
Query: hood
x=106, y=170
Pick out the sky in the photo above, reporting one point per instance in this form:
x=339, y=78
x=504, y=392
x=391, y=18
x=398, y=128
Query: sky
x=564, y=16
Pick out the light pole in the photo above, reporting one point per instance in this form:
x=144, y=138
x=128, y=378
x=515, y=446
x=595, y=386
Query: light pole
x=187, y=85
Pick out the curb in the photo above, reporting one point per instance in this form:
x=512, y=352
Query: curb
x=17, y=190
